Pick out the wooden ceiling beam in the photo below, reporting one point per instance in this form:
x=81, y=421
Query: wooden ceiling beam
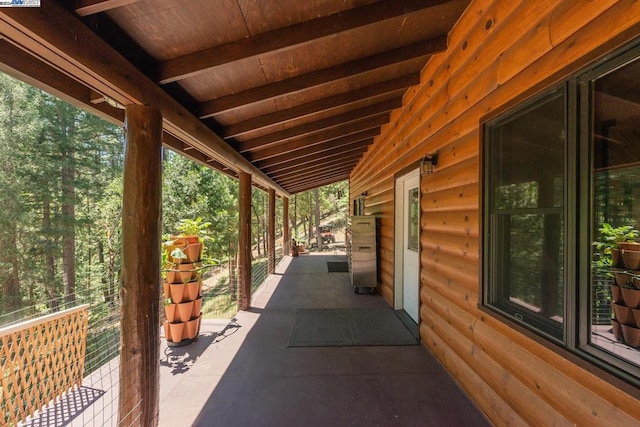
x=325, y=182
x=91, y=7
x=398, y=85
x=84, y=56
x=313, y=161
x=371, y=126
x=177, y=145
x=286, y=38
x=316, y=178
x=339, y=120
x=346, y=143
x=320, y=77
x=323, y=167
x=23, y=66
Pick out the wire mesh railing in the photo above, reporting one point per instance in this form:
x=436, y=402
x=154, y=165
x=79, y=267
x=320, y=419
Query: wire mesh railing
x=95, y=402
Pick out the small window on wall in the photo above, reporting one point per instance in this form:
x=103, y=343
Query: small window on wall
x=413, y=240
x=561, y=215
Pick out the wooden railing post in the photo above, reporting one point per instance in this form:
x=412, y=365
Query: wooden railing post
x=141, y=234
x=244, y=242
x=271, y=237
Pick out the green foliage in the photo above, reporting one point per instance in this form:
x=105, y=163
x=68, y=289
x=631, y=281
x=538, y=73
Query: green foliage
x=609, y=237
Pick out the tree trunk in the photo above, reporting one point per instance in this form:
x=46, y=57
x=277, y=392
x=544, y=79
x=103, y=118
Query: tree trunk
x=68, y=216
x=50, y=262
x=141, y=231
x=316, y=196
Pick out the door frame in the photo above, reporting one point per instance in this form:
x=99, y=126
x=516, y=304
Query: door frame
x=398, y=269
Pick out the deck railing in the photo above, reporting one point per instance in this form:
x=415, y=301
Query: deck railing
x=40, y=360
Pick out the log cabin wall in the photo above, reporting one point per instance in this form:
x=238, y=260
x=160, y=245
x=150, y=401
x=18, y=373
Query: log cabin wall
x=498, y=52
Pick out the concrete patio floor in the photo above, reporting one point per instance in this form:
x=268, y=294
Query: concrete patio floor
x=244, y=374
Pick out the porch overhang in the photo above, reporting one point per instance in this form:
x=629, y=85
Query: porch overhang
x=278, y=90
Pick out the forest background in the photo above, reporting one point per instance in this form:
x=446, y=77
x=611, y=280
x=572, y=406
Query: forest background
x=60, y=217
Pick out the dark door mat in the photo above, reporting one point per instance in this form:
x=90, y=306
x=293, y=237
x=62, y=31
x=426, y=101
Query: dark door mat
x=338, y=267
x=340, y=327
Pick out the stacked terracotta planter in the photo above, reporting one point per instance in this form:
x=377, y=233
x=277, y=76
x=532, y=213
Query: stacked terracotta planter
x=626, y=293
x=182, y=287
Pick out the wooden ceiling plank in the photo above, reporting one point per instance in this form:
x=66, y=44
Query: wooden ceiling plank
x=390, y=86
x=286, y=38
x=91, y=7
x=310, y=162
x=90, y=60
x=313, y=127
x=320, y=77
x=372, y=125
x=349, y=142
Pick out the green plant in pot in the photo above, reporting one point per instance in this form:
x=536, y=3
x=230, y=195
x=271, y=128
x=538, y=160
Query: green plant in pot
x=607, y=248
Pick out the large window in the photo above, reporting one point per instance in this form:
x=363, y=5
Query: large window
x=561, y=198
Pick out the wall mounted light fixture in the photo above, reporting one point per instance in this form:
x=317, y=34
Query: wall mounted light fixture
x=428, y=163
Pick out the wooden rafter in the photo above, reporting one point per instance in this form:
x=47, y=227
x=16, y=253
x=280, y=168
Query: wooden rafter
x=326, y=167
x=345, y=143
x=398, y=85
x=90, y=7
x=288, y=37
x=339, y=120
x=357, y=129
x=324, y=76
x=307, y=184
x=309, y=163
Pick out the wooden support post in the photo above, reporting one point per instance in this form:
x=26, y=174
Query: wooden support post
x=271, y=237
x=244, y=242
x=140, y=293
x=286, y=237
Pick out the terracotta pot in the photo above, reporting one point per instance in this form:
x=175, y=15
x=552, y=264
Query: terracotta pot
x=631, y=335
x=171, y=311
x=623, y=314
x=178, y=292
x=172, y=276
x=192, y=328
x=631, y=297
x=176, y=331
x=636, y=316
x=167, y=330
x=615, y=258
x=621, y=277
x=197, y=307
x=617, y=330
x=194, y=251
x=616, y=293
x=184, y=311
x=632, y=246
x=631, y=259
x=185, y=273
x=193, y=289
x=167, y=289
x=199, y=323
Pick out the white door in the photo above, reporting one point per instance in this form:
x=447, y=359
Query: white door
x=408, y=244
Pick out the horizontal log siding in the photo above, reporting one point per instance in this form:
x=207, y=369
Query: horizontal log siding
x=499, y=51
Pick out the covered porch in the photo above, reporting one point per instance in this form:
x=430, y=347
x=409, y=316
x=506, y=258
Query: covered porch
x=242, y=372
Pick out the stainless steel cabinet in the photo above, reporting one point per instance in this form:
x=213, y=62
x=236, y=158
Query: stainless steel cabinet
x=361, y=252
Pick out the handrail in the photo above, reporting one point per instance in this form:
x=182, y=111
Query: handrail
x=37, y=321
